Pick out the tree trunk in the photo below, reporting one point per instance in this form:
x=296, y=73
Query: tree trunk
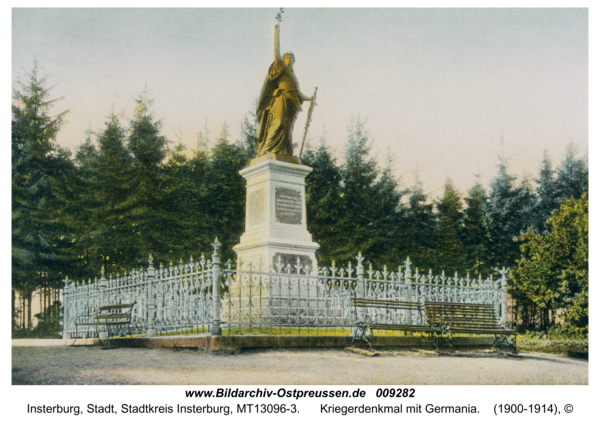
x=22, y=312
x=13, y=304
x=29, y=322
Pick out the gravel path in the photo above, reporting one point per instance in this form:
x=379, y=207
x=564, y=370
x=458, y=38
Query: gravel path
x=50, y=362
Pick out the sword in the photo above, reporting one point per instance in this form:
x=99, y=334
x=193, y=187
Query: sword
x=310, y=111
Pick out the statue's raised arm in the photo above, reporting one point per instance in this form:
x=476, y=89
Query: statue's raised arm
x=277, y=51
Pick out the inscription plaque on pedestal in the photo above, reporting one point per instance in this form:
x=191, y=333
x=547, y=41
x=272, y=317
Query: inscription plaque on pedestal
x=288, y=206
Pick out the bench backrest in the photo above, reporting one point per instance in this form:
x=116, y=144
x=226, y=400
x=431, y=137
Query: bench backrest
x=464, y=315
x=115, y=313
x=386, y=303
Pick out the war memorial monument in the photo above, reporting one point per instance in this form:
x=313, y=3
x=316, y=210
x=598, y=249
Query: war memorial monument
x=276, y=227
x=275, y=287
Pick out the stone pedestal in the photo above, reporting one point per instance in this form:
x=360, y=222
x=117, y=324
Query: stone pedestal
x=276, y=217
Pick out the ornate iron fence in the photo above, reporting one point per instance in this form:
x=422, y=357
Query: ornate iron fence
x=201, y=297
x=285, y=300
x=408, y=286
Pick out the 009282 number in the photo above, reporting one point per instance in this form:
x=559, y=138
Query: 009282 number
x=403, y=393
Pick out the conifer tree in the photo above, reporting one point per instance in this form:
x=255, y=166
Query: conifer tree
x=226, y=194
x=475, y=232
x=87, y=212
x=572, y=176
x=112, y=198
x=366, y=201
x=38, y=170
x=547, y=196
x=152, y=221
x=509, y=214
x=450, y=250
x=419, y=229
x=388, y=208
x=323, y=201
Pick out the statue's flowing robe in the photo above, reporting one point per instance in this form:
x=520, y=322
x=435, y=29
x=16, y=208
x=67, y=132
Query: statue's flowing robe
x=278, y=106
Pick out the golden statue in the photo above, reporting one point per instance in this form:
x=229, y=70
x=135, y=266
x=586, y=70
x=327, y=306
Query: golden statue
x=278, y=106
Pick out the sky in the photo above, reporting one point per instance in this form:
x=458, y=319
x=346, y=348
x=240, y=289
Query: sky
x=444, y=92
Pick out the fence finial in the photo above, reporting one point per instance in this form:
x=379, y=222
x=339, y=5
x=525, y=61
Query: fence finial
x=150, y=261
x=279, y=264
x=102, y=272
x=216, y=245
x=359, y=259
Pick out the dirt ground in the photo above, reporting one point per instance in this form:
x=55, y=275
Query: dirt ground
x=50, y=362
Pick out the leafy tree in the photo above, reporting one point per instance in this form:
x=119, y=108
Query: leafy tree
x=553, y=271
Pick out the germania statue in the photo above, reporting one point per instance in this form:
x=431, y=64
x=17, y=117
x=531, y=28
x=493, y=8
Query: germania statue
x=278, y=106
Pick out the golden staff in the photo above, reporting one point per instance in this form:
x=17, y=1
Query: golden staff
x=310, y=111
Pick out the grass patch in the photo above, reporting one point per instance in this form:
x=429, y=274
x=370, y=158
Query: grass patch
x=289, y=331
x=556, y=343
x=273, y=331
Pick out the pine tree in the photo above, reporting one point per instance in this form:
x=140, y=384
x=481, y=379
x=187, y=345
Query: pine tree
x=419, y=231
x=475, y=234
x=509, y=214
x=390, y=225
x=450, y=250
x=38, y=168
x=113, y=176
x=366, y=201
x=86, y=215
x=152, y=223
x=323, y=201
x=547, y=196
x=249, y=128
x=572, y=178
x=226, y=193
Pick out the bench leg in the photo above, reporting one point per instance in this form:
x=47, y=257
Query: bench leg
x=503, y=340
x=98, y=334
x=437, y=339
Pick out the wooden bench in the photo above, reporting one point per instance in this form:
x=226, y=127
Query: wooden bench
x=111, y=317
x=365, y=329
x=467, y=318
